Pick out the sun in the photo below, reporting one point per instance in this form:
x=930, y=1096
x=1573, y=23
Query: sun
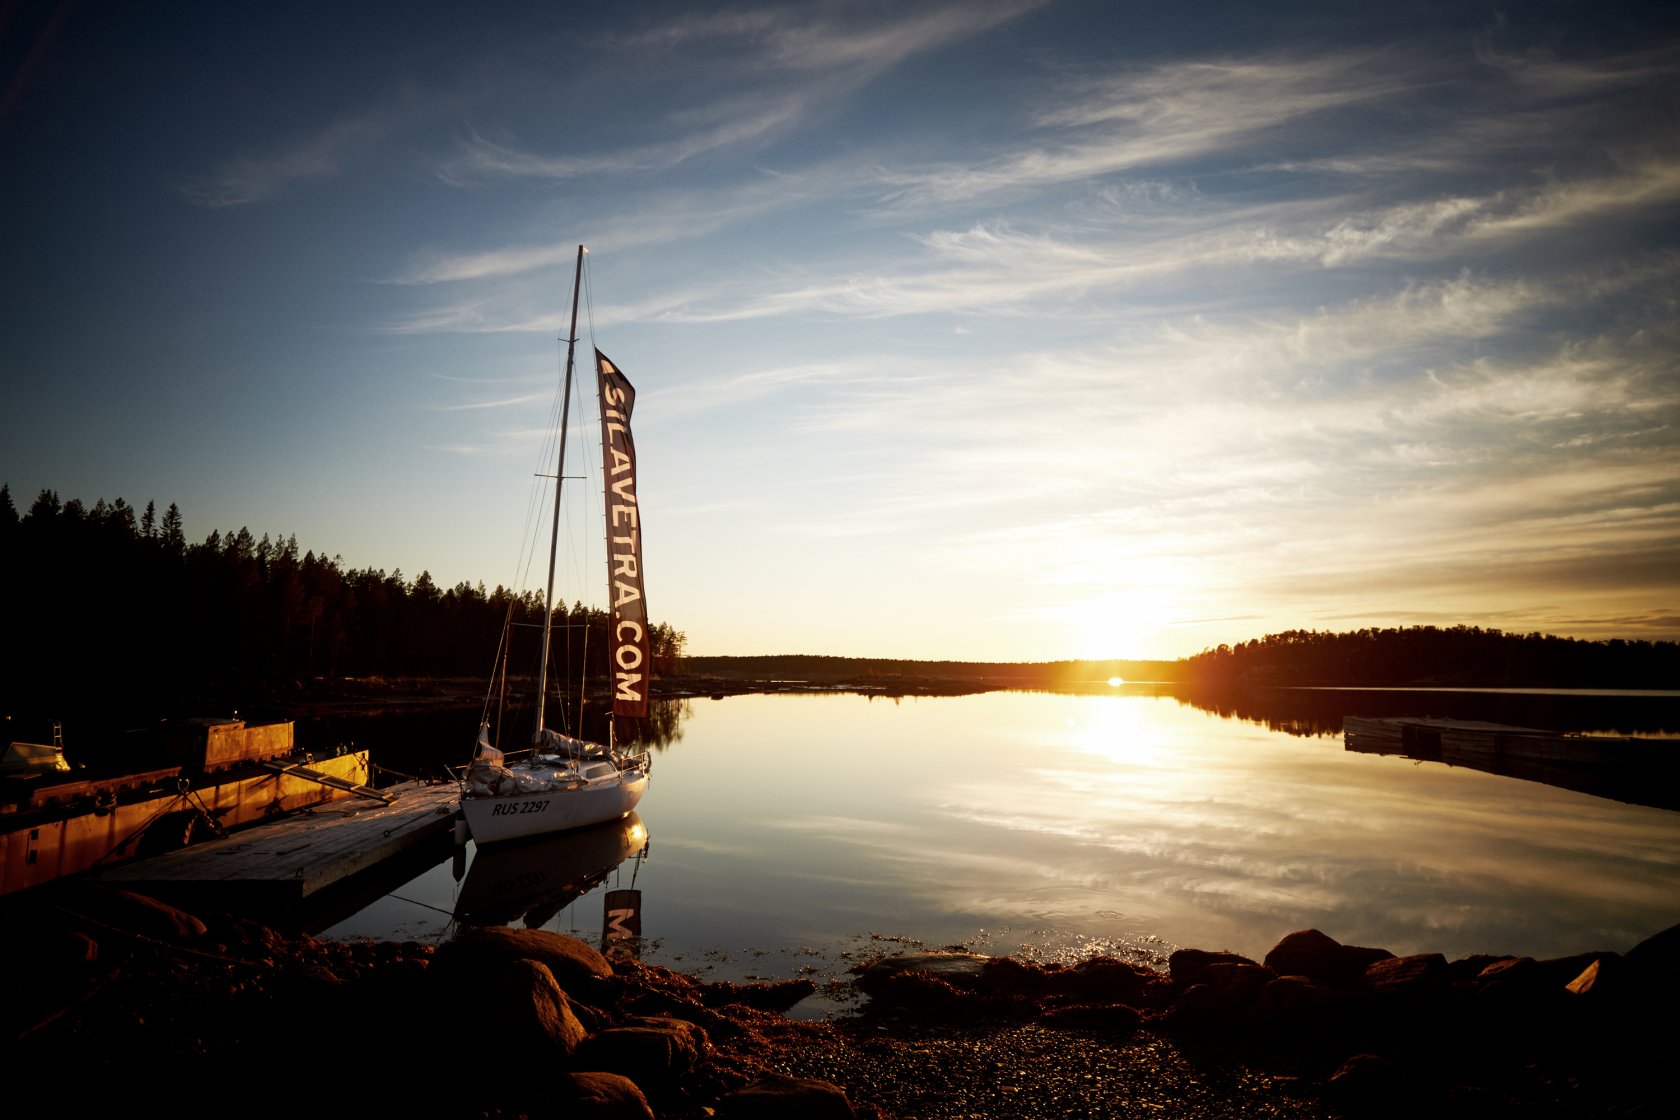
x=1120, y=623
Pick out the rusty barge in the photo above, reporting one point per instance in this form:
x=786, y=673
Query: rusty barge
x=212, y=776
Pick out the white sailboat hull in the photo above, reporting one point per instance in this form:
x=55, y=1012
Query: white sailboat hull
x=510, y=816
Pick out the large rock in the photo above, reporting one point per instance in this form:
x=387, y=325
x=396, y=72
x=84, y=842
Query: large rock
x=1294, y=1002
x=1306, y=952
x=577, y=967
x=1659, y=953
x=1317, y=955
x=603, y=1096
x=926, y=983
x=1240, y=982
x=1611, y=985
x=656, y=1053
x=530, y=1013
x=1509, y=970
x=1189, y=966
x=1559, y=971
x=135, y=913
x=1008, y=976
x=1104, y=978
x=1413, y=982
x=1654, y=964
x=778, y=1098
x=1198, y=1007
x=962, y=970
x=1516, y=989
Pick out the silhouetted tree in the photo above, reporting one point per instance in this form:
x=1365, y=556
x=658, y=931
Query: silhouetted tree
x=173, y=539
x=46, y=505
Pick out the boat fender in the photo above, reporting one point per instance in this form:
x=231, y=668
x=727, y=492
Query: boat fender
x=461, y=831
x=104, y=802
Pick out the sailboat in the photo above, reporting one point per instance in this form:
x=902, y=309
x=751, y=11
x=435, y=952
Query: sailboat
x=563, y=782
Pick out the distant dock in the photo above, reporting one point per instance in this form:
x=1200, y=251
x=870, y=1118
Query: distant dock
x=287, y=862
x=1634, y=770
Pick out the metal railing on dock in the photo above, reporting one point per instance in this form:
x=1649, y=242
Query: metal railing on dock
x=300, y=771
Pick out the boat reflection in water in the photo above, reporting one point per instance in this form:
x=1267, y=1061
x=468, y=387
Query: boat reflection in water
x=528, y=882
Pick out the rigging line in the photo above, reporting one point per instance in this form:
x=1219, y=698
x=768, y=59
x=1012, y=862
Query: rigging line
x=540, y=494
x=423, y=905
x=577, y=561
x=526, y=555
x=538, y=491
x=596, y=488
x=603, y=535
x=521, y=577
x=559, y=491
x=151, y=820
x=577, y=542
x=539, y=481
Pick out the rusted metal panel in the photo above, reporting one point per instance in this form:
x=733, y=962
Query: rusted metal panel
x=232, y=743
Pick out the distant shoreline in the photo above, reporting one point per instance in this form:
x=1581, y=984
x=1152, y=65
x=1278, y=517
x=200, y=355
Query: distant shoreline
x=703, y=678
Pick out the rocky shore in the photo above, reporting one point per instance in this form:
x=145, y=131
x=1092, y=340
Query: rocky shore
x=113, y=1000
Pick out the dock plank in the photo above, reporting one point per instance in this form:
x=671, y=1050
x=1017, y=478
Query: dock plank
x=300, y=855
x=1638, y=771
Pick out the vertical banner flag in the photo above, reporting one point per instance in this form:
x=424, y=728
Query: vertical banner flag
x=631, y=661
x=621, y=925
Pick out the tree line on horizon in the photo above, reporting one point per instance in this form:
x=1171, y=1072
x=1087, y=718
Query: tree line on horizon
x=110, y=607
x=1417, y=655
x=1438, y=656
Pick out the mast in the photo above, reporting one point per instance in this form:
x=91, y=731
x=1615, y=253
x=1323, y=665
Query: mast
x=559, y=482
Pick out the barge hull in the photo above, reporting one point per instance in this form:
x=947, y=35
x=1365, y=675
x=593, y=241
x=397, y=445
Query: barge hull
x=41, y=846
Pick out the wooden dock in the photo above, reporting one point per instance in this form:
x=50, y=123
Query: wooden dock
x=1630, y=769
x=285, y=862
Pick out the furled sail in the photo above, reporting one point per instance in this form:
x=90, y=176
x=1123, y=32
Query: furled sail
x=629, y=648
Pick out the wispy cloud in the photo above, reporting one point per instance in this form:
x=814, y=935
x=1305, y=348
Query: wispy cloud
x=796, y=62
x=1186, y=116
x=1158, y=116
x=323, y=155
x=660, y=218
x=480, y=159
x=997, y=268
x=480, y=406
x=1653, y=183
x=805, y=38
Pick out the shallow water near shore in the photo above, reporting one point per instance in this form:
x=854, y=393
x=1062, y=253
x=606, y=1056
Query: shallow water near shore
x=790, y=835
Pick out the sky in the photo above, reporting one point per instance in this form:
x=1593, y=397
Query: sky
x=989, y=330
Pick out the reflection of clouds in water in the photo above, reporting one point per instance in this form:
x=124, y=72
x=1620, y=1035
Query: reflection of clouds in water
x=1067, y=820
x=1235, y=830
x=840, y=828
x=703, y=846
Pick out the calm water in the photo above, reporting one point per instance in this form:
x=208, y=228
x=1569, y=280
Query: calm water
x=792, y=833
